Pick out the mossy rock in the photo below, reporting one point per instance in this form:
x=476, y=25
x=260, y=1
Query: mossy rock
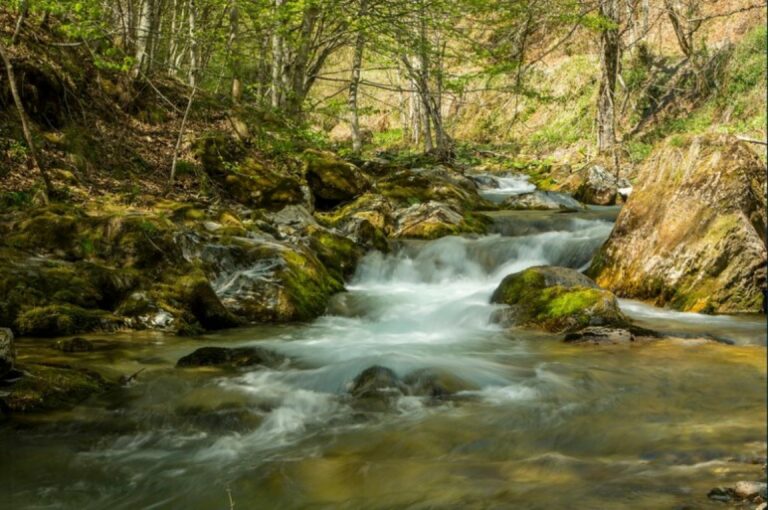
x=338, y=253
x=433, y=220
x=60, y=320
x=257, y=185
x=331, y=179
x=556, y=299
x=48, y=387
x=196, y=293
x=216, y=151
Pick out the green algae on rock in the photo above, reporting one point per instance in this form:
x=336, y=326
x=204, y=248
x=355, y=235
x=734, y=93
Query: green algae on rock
x=556, y=299
x=47, y=387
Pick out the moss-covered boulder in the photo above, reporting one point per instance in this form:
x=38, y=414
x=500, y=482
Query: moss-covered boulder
x=439, y=184
x=556, y=299
x=367, y=220
x=263, y=280
x=64, y=319
x=692, y=234
x=48, y=387
x=434, y=219
x=338, y=253
x=600, y=187
x=331, y=179
x=257, y=184
x=245, y=176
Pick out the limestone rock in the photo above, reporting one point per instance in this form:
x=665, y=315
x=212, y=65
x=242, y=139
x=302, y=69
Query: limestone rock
x=600, y=187
x=692, y=234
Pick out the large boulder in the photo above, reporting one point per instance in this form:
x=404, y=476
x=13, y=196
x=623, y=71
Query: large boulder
x=600, y=187
x=431, y=220
x=543, y=201
x=692, y=234
x=439, y=184
x=556, y=299
x=7, y=352
x=331, y=179
x=367, y=220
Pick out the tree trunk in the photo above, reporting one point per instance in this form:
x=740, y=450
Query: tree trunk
x=610, y=53
x=354, y=84
x=143, y=29
x=25, y=123
x=234, y=59
x=277, y=58
x=192, y=45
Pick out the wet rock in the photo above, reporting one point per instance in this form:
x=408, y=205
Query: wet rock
x=485, y=181
x=543, y=201
x=7, y=352
x=231, y=358
x=692, y=234
x=377, y=382
x=600, y=187
x=338, y=253
x=332, y=180
x=77, y=344
x=754, y=492
x=434, y=219
x=557, y=299
x=47, y=387
x=600, y=335
x=433, y=383
x=266, y=281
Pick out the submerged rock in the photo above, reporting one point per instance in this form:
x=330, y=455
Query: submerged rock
x=47, y=387
x=599, y=335
x=556, y=299
x=231, y=357
x=434, y=383
x=7, y=352
x=754, y=492
x=377, y=382
x=600, y=187
x=692, y=234
x=77, y=344
x=543, y=201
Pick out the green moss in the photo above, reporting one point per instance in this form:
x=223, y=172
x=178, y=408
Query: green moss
x=308, y=285
x=338, y=254
x=45, y=387
x=60, y=320
x=556, y=307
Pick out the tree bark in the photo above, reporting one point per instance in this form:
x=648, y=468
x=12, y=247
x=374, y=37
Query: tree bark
x=354, y=84
x=143, y=29
x=610, y=54
x=48, y=191
x=277, y=58
x=192, y=45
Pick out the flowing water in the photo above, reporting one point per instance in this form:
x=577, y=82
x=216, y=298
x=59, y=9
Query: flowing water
x=537, y=423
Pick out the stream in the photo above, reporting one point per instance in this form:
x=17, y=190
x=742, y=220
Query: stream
x=538, y=423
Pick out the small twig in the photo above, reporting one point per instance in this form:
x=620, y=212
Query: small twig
x=129, y=379
x=751, y=140
x=231, y=501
